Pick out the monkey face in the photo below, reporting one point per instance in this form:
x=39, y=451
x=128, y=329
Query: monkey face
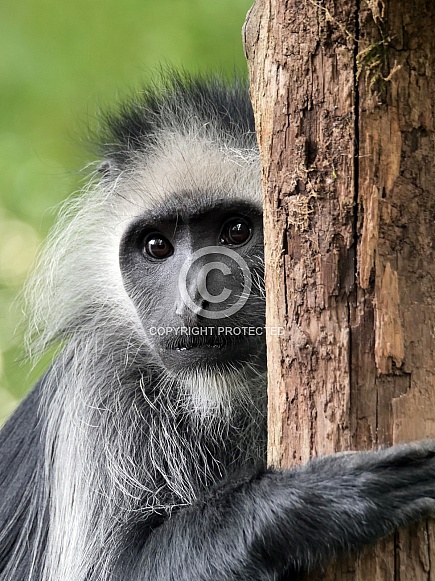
x=195, y=277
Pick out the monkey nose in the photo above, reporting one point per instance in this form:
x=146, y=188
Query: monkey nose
x=190, y=303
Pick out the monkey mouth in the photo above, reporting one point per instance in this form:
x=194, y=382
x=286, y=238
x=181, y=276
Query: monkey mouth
x=184, y=352
x=189, y=342
x=206, y=348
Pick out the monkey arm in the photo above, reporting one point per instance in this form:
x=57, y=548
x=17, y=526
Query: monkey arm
x=275, y=524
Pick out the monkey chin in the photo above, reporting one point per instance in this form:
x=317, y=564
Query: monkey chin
x=215, y=384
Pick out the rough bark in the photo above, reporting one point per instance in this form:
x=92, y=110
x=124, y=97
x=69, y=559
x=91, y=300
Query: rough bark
x=344, y=93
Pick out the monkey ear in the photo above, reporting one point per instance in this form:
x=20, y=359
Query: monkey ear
x=105, y=168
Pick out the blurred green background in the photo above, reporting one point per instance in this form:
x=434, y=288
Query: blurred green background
x=60, y=63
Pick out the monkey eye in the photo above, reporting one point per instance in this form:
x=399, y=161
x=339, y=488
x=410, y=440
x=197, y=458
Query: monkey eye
x=235, y=232
x=157, y=246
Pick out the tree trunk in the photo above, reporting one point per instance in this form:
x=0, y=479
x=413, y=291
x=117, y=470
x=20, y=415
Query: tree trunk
x=343, y=94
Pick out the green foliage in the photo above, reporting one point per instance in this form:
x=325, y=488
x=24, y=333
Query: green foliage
x=62, y=62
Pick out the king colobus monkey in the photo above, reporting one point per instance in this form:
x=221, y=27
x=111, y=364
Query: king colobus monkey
x=139, y=456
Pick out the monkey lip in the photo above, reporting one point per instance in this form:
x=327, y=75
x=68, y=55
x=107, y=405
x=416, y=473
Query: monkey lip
x=186, y=352
x=189, y=342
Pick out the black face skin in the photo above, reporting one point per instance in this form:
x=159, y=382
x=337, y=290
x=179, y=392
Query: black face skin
x=214, y=326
